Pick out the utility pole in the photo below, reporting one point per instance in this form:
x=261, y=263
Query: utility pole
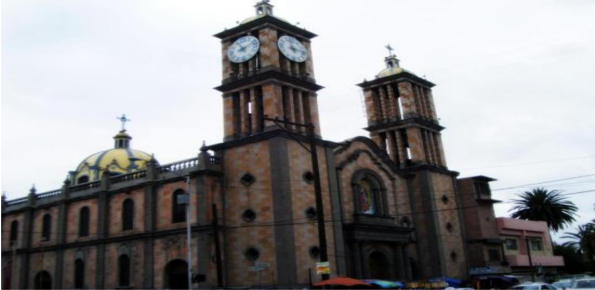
x=317, y=188
x=530, y=260
x=217, y=247
x=188, y=232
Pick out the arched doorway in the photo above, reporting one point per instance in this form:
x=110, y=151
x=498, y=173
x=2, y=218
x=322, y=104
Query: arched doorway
x=43, y=280
x=176, y=275
x=379, y=266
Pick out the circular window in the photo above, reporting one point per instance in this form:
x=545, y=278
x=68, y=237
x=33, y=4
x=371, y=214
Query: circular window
x=249, y=215
x=314, y=252
x=405, y=222
x=308, y=177
x=252, y=254
x=247, y=179
x=445, y=199
x=311, y=213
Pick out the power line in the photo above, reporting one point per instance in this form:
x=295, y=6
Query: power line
x=537, y=183
x=528, y=163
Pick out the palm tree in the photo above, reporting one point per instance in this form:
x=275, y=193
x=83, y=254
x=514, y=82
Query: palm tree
x=549, y=206
x=583, y=240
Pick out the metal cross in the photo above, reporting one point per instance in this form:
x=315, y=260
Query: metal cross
x=390, y=50
x=123, y=120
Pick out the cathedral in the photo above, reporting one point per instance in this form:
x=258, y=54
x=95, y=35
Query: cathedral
x=255, y=210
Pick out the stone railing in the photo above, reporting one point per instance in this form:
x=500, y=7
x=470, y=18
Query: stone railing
x=49, y=194
x=18, y=201
x=214, y=160
x=177, y=166
x=128, y=177
x=85, y=186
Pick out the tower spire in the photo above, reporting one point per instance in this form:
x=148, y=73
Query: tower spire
x=391, y=60
x=264, y=8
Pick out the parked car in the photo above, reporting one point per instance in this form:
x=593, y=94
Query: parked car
x=583, y=284
x=534, y=286
x=563, y=284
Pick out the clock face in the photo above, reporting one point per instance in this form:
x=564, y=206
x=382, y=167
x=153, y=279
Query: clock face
x=243, y=49
x=292, y=48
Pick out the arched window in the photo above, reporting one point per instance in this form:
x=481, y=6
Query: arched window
x=369, y=193
x=128, y=215
x=84, y=222
x=46, y=227
x=79, y=274
x=82, y=179
x=179, y=206
x=367, y=197
x=14, y=232
x=124, y=270
x=43, y=280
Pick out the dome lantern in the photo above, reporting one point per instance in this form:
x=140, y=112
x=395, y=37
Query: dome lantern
x=119, y=160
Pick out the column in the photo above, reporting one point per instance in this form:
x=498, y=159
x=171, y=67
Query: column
x=256, y=114
x=415, y=145
x=383, y=104
x=394, y=152
x=440, y=149
x=309, y=60
x=298, y=107
x=407, y=100
x=226, y=65
x=394, y=105
x=291, y=110
x=432, y=107
x=313, y=98
x=228, y=117
x=269, y=54
x=427, y=147
x=245, y=117
x=433, y=148
x=272, y=104
x=417, y=99
x=401, y=148
x=373, y=114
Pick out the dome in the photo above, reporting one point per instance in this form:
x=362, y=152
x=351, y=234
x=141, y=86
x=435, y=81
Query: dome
x=263, y=8
x=392, y=67
x=389, y=71
x=119, y=160
x=252, y=18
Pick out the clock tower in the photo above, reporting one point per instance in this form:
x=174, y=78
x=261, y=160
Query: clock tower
x=268, y=74
x=267, y=71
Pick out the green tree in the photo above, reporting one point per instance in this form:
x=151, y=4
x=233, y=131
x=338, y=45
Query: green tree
x=549, y=206
x=583, y=239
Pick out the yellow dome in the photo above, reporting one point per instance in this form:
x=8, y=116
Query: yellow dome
x=389, y=71
x=392, y=67
x=119, y=160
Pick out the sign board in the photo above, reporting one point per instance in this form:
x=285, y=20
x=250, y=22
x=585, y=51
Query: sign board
x=489, y=270
x=323, y=268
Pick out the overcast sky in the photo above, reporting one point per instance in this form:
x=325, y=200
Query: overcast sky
x=514, y=81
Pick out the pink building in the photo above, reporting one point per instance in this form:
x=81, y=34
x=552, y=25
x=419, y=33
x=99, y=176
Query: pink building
x=522, y=234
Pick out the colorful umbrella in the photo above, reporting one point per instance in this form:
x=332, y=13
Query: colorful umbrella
x=385, y=284
x=342, y=281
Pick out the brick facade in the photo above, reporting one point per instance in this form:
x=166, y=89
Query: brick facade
x=392, y=209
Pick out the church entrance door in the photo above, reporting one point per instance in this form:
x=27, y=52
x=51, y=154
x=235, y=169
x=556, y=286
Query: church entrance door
x=379, y=266
x=43, y=280
x=176, y=275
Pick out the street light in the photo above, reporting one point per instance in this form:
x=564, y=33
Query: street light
x=185, y=199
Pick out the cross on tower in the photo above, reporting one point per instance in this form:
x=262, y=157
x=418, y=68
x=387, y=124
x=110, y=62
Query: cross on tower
x=390, y=50
x=123, y=119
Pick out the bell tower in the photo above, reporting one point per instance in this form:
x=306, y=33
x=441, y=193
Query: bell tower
x=402, y=117
x=267, y=71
